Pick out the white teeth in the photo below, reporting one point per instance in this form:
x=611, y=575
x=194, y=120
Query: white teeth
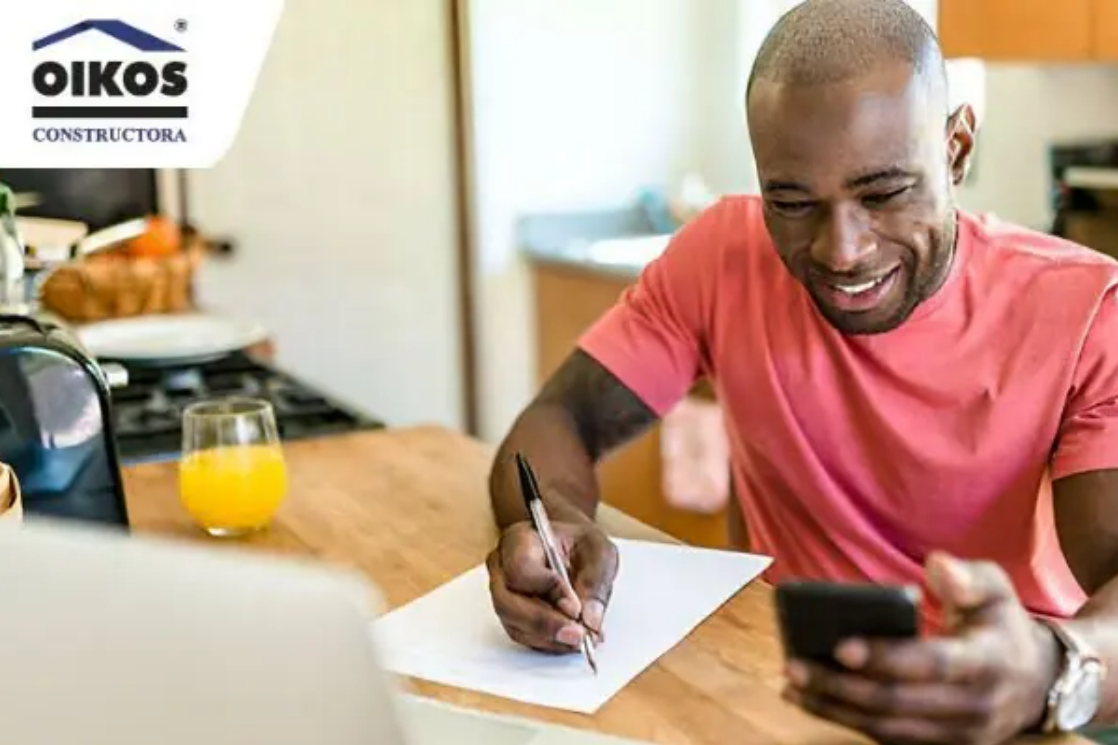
x=857, y=289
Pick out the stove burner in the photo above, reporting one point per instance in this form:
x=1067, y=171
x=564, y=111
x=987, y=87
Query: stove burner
x=188, y=379
x=147, y=413
x=159, y=404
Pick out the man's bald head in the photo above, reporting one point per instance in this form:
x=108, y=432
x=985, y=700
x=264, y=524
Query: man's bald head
x=827, y=41
x=857, y=157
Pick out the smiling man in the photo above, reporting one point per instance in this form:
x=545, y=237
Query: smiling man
x=913, y=395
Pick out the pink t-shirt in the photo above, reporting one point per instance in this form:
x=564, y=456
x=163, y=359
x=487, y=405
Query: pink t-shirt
x=855, y=456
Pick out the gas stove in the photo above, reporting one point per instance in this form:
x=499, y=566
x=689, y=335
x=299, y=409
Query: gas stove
x=147, y=412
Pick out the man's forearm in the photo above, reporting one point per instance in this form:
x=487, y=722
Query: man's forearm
x=548, y=437
x=1087, y=525
x=582, y=413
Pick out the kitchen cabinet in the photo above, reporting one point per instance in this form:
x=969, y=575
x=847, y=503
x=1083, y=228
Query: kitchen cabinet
x=1106, y=30
x=1025, y=30
x=569, y=299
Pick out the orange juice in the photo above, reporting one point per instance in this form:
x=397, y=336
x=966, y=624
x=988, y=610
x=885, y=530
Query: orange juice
x=233, y=489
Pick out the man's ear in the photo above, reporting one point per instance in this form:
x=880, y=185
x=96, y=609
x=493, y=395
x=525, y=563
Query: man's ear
x=961, y=127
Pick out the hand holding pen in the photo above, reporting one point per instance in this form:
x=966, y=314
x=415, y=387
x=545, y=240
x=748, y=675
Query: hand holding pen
x=533, y=502
x=545, y=609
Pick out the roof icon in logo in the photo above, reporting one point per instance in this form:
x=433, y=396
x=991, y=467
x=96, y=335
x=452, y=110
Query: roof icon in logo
x=119, y=30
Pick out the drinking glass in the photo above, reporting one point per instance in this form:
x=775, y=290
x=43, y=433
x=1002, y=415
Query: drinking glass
x=232, y=477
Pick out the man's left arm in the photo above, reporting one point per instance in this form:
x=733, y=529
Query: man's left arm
x=1085, y=493
x=1086, y=507
x=988, y=678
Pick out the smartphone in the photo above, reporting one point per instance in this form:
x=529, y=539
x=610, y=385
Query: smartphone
x=815, y=617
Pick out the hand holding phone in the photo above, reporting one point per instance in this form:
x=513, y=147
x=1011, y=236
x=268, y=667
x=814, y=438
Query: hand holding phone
x=815, y=617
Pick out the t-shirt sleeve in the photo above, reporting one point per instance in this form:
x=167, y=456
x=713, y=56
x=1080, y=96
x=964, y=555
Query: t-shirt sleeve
x=1088, y=435
x=654, y=338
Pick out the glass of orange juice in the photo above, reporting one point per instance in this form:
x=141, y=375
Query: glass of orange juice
x=232, y=477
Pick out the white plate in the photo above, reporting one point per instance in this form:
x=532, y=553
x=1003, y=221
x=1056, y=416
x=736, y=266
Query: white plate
x=169, y=338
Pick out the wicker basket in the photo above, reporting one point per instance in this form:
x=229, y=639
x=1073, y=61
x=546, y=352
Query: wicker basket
x=116, y=285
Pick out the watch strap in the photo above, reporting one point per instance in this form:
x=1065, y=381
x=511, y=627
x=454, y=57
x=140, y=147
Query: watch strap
x=1076, y=653
x=1069, y=640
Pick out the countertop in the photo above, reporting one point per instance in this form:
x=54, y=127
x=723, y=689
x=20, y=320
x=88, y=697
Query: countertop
x=620, y=258
x=382, y=501
x=614, y=243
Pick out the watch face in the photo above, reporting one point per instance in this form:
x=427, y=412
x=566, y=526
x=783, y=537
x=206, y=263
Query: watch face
x=1081, y=701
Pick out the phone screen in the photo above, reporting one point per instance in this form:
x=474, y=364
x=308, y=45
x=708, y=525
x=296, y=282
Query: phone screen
x=815, y=617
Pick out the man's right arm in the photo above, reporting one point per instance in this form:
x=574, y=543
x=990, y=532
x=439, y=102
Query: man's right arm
x=629, y=368
x=582, y=412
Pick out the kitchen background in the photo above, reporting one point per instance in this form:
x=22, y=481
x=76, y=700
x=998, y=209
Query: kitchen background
x=411, y=181
x=340, y=189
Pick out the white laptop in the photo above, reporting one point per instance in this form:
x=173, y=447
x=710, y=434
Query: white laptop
x=113, y=640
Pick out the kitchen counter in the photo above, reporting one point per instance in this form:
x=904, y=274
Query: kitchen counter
x=409, y=509
x=616, y=258
x=616, y=244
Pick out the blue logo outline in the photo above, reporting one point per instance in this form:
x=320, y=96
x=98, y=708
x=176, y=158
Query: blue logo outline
x=125, y=33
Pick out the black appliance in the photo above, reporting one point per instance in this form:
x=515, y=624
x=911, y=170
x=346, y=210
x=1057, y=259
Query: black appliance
x=99, y=197
x=56, y=428
x=147, y=411
x=1068, y=200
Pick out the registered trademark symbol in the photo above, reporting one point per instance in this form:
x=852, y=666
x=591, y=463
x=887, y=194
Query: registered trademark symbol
x=181, y=25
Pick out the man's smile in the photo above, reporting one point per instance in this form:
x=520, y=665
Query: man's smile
x=854, y=294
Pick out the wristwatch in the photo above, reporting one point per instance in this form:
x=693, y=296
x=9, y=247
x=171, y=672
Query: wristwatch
x=1073, y=701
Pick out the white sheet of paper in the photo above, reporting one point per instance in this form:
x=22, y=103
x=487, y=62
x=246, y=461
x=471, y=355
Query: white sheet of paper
x=662, y=592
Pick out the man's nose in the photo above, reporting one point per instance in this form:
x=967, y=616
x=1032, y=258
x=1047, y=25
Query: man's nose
x=845, y=241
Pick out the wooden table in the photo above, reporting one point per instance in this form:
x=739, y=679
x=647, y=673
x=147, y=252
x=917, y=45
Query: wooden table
x=410, y=509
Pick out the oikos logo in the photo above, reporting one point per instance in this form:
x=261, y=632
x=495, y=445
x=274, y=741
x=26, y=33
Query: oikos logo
x=145, y=80
x=115, y=79
x=130, y=83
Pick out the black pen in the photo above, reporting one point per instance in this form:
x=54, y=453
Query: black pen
x=534, y=502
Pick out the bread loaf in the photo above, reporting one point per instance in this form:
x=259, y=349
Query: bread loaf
x=116, y=284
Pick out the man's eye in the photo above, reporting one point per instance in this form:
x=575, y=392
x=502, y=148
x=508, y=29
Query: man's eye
x=791, y=208
x=877, y=200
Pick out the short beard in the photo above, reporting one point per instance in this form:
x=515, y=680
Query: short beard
x=934, y=277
